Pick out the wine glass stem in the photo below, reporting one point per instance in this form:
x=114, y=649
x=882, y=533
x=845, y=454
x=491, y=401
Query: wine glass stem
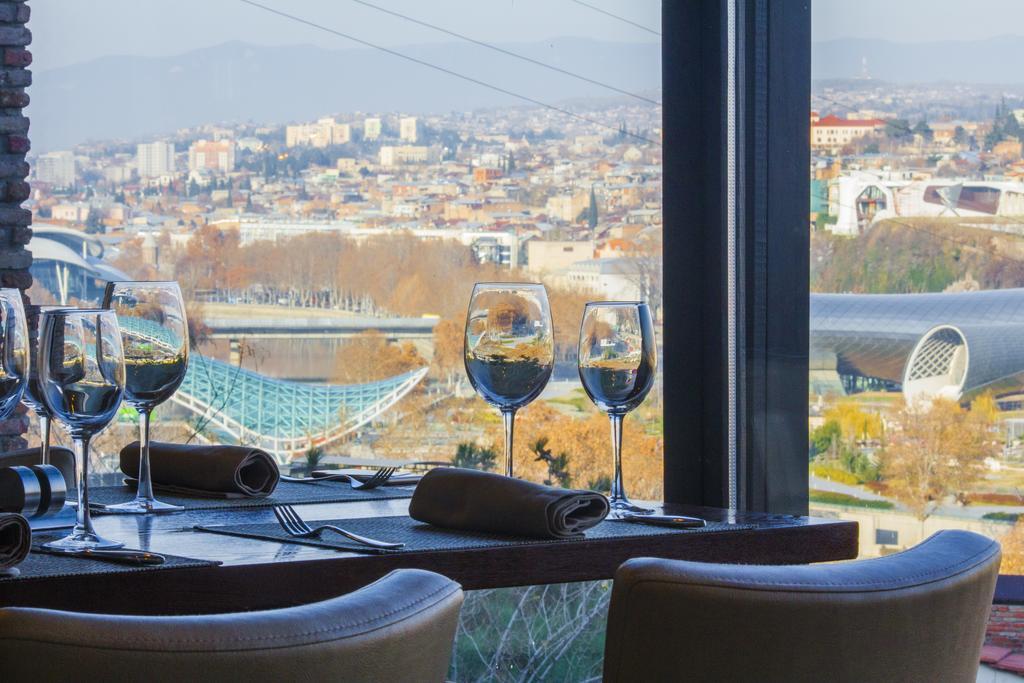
x=83, y=519
x=145, y=486
x=508, y=417
x=618, y=490
x=44, y=440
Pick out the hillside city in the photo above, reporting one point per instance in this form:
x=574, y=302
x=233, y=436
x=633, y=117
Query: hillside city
x=382, y=220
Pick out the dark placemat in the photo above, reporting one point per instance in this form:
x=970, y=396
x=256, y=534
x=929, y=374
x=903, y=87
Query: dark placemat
x=286, y=493
x=44, y=566
x=418, y=536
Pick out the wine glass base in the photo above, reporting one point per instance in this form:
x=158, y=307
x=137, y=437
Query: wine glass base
x=141, y=506
x=82, y=540
x=621, y=505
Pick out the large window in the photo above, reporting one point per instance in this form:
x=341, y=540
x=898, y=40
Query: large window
x=917, y=272
x=327, y=180
x=328, y=192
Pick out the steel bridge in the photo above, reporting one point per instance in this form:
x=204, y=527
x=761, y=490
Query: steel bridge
x=281, y=417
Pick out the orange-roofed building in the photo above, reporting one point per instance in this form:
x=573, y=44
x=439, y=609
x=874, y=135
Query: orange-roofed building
x=832, y=132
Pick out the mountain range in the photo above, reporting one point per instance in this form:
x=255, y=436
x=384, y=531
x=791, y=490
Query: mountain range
x=127, y=97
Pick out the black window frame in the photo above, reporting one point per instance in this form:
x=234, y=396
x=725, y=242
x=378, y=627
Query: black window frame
x=764, y=436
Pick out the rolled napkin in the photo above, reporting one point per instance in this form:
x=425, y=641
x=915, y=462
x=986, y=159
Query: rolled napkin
x=61, y=458
x=207, y=471
x=480, y=501
x=15, y=539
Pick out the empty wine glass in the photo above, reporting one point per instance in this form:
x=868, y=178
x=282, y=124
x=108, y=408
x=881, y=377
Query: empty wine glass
x=33, y=398
x=617, y=361
x=81, y=373
x=510, y=348
x=154, y=331
x=14, y=351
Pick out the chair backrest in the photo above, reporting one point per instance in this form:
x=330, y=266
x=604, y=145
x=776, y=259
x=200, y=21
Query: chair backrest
x=918, y=615
x=400, y=628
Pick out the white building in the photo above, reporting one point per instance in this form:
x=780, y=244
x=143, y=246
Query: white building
x=611, y=279
x=57, y=168
x=322, y=133
x=860, y=199
x=408, y=154
x=154, y=159
x=408, y=128
x=371, y=129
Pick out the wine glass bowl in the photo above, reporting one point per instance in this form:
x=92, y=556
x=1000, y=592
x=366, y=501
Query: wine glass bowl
x=81, y=376
x=617, y=362
x=33, y=398
x=154, y=331
x=15, y=364
x=509, y=352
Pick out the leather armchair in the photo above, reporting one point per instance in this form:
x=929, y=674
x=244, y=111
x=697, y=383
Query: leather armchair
x=918, y=615
x=399, y=628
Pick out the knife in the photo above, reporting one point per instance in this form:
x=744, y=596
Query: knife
x=678, y=521
x=139, y=557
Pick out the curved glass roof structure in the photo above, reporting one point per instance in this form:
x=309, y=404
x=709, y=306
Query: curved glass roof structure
x=281, y=417
x=949, y=344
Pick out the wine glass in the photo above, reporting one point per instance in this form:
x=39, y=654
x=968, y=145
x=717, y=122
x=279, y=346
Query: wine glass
x=155, y=335
x=33, y=398
x=81, y=373
x=617, y=361
x=14, y=351
x=510, y=348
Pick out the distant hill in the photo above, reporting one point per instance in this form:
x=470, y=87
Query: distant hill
x=994, y=60
x=126, y=97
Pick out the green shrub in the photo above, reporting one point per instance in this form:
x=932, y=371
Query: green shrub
x=834, y=474
x=834, y=498
x=1001, y=516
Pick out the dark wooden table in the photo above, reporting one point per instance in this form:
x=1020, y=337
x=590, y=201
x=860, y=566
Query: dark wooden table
x=260, y=574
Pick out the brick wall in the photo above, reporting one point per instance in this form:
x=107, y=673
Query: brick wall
x=1006, y=627
x=15, y=233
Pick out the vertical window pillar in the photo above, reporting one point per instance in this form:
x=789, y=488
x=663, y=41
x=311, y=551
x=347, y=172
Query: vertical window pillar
x=15, y=233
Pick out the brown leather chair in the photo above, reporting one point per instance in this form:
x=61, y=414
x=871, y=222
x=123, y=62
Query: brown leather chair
x=918, y=615
x=400, y=628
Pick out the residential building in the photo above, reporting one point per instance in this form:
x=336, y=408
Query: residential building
x=548, y=257
x=408, y=128
x=56, y=168
x=212, y=155
x=371, y=129
x=154, y=159
x=322, y=133
x=832, y=133
x=408, y=154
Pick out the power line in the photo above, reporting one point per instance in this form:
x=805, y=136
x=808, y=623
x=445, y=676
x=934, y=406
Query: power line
x=503, y=51
x=616, y=16
x=456, y=74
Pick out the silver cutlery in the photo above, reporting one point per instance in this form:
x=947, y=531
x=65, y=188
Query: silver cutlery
x=679, y=521
x=379, y=478
x=139, y=557
x=295, y=526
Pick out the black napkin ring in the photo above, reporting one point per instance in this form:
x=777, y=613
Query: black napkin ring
x=33, y=490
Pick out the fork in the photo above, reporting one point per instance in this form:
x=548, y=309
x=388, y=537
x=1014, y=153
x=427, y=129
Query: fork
x=295, y=526
x=379, y=477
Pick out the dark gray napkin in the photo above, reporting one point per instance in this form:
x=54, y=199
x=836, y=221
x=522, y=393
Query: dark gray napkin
x=61, y=458
x=480, y=501
x=15, y=539
x=208, y=471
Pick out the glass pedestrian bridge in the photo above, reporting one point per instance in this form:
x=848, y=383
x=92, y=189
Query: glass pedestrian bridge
x=281, y=417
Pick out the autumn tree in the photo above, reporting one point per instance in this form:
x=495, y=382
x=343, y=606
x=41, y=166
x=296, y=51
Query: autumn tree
x=935, y=451
x=369, y=357
x=449, y=344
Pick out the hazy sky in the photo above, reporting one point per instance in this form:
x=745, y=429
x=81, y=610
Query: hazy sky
x=70, y=31
x=916, y=20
